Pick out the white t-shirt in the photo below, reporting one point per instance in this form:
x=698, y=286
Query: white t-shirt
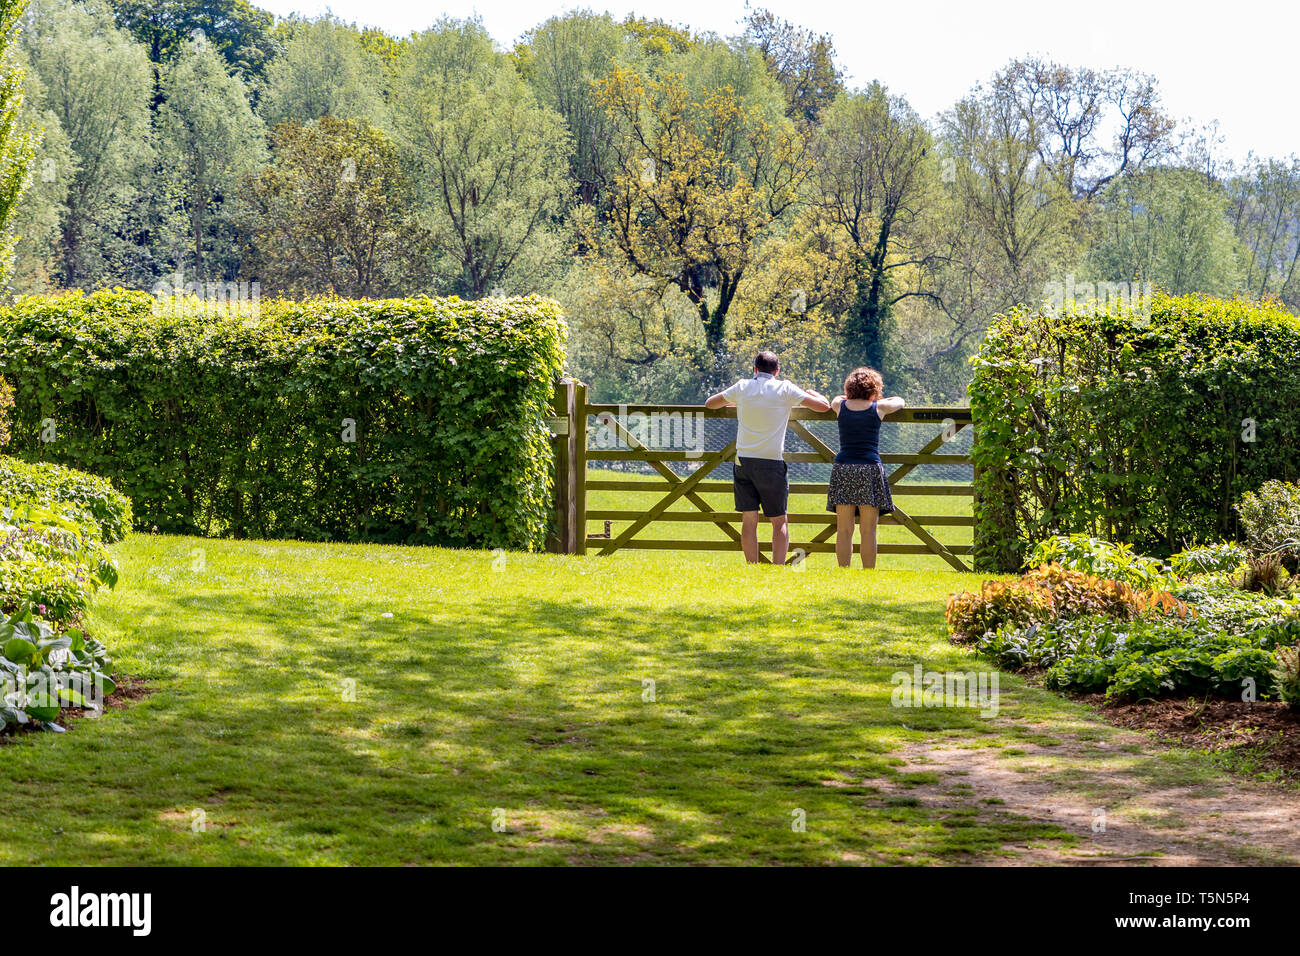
x=763, y=406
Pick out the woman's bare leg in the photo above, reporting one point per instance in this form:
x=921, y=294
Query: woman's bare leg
x=844, y=534
x=869, y=517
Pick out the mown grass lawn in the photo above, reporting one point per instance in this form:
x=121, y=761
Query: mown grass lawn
x=508, y=690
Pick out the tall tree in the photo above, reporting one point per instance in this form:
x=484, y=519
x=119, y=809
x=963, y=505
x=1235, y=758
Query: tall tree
x=562, y=59
x=1001, y=223
x=237, y=30
x=1265, y=207
x=1005, y=192
x=212, y=141
x=1169, y=227
x=16, y=134
x=1072, y=110
x=1201, y=148
x=874, y=178
x=43, y=204
x=631, y=335
x=801, y=60
x=325, y=70
x=658, y=38
x=491, y=164
x=698, y=184
x=97, y=81
x=713, y=66
x=332, y=211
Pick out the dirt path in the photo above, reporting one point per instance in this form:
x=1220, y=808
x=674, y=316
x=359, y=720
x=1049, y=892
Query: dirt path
x=1115, y=792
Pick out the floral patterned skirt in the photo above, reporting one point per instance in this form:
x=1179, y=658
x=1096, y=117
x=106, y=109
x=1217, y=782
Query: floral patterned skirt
x=863, y=485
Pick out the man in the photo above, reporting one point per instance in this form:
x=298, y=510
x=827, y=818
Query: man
x=763, y=405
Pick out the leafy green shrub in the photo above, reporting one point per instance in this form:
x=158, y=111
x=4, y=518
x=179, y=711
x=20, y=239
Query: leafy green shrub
x=1220, y=603
x=1144, y=657
x=1143, y=429
x=1205, y=635
x=6, y=410
x=1118, y=562
x=1271, y=520
x=1286, y=673
x=1264, y=572
x=53, y=524
x=413, y=420
x=41, y=671
x=1207, y=559
x=45, y=483
x=52, y=559
x=1079, y=594
x=1051, y=593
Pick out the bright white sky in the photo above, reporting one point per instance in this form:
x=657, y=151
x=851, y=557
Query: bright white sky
x=1214, y=60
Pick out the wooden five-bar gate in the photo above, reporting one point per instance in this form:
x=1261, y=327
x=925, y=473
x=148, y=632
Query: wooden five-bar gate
x=570, y=427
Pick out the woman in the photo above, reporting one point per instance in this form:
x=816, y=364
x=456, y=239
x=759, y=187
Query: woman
x=858, y=483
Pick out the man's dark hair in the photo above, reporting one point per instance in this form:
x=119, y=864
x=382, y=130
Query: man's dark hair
x=766, y=362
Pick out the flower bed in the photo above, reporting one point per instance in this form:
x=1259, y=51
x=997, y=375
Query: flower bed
x=53, y=525
x=1149, y=629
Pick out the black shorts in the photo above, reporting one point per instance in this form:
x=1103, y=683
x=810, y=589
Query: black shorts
x=761, y=481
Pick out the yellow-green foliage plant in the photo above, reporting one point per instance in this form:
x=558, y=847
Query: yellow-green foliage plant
x=1052, y=592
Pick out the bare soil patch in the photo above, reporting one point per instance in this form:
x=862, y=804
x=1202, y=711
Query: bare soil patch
x=1107, y=793
x=1222, y=726
x=128, y=689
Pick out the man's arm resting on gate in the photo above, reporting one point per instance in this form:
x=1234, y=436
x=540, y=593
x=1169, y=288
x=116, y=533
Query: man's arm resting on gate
x=717, y=401
x=816, y=401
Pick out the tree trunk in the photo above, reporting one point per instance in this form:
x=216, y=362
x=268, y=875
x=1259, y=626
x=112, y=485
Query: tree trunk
x=866, y=329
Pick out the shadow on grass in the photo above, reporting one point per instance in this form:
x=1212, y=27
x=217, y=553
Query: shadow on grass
x=601, y=731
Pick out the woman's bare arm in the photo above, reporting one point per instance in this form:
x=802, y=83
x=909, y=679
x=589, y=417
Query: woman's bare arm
x=887, y=406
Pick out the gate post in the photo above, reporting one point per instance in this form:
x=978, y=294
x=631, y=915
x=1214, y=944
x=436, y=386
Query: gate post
x=561, y=422
x=578, y=467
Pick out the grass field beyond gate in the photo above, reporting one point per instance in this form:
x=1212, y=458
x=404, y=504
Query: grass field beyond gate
x=707, y=531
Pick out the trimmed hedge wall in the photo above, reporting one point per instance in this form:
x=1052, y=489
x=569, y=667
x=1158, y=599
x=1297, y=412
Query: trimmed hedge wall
x=412, y=420
x=1143, y=431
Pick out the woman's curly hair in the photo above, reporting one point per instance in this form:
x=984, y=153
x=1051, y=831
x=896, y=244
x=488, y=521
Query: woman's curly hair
x=865, y=384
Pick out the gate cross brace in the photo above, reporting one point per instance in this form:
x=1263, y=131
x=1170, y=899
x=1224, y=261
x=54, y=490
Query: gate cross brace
x=680, y=489
x=634, y=443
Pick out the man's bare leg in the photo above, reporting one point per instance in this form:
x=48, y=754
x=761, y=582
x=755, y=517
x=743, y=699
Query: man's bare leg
x=780, y=539
x=749, y=535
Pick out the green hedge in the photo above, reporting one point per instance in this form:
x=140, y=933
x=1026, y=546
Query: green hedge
x=218, y=423
x=43, y=483
x=1130, y=429
x=52, y=559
